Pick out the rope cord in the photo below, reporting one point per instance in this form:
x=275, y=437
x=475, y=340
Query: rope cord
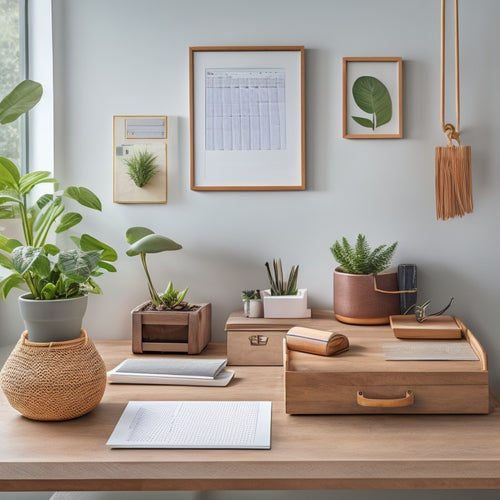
x=450, y=130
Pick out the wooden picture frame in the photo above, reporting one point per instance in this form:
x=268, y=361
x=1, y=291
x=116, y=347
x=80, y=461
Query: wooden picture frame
x=133, y=134
x=363, y=78
x=247, y=118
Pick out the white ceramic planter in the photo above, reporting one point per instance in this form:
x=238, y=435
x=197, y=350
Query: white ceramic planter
x=285, y=306
x=253, y=308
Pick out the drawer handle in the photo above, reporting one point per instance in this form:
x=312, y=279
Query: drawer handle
x=408, y=400
x=258, y=339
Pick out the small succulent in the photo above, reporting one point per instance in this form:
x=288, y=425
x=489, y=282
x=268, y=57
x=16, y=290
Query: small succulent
x=360, y=259
x=172, y=298
x=277, y=284
x=141, y=167
x=250, y=294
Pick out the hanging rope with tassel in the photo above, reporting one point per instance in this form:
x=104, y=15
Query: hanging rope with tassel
x=453, y=162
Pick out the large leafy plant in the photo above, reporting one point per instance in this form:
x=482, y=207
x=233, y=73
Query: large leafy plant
x=360, y=258
x=372, y=96
x=144, y=241
x=38, y=263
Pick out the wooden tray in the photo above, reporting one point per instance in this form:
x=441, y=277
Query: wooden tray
x=438, y=327
x=362, y=381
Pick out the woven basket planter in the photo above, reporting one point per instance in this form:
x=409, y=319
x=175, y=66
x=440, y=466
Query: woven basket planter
x=54, y=381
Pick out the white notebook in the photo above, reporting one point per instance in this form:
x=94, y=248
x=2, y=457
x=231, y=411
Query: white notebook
x=171, y=371
x=194, y=424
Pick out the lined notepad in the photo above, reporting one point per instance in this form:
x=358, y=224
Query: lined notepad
x=194, y=424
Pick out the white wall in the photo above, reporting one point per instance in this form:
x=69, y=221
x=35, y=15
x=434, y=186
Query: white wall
x=128, y=57
x=116, y=57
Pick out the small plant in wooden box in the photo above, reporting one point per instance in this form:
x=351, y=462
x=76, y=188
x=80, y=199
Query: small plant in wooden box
x=165, y=323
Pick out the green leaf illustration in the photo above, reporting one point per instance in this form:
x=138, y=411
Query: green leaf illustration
x=372, y=96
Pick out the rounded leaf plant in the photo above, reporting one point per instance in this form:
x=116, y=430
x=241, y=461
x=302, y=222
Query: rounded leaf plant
x=142, y=241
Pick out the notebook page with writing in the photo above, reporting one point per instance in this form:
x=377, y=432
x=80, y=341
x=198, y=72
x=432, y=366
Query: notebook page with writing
x=194, y=424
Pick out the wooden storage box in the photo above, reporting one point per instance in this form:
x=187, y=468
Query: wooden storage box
x=171, y=331
x=362, y=381
x=259, y=341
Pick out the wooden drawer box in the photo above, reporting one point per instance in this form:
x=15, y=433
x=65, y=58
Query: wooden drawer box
x=362, y=381
x=259, y=341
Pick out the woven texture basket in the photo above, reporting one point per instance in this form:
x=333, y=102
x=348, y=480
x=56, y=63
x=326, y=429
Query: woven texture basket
x=54, y=381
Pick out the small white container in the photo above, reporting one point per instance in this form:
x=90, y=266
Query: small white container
x=285, y=306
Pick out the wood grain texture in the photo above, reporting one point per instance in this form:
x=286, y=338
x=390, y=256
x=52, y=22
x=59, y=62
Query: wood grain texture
x=308, y=452
x=318, y=384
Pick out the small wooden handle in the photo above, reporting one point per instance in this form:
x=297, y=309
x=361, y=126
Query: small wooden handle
x=408, y=400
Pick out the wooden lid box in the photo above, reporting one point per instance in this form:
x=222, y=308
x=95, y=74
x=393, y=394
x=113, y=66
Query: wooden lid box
x=362, y=381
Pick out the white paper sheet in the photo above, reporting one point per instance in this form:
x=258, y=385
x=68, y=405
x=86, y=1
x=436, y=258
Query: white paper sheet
x=194, y=424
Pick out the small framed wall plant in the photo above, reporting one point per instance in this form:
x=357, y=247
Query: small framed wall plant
x=372, y=98
x=140, y=159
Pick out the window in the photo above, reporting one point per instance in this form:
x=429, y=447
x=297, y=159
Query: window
x=12, y=71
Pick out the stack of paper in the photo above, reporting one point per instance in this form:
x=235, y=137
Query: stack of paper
x=172, y=371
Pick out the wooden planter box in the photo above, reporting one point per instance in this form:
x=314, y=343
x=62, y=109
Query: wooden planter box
x=171, y=331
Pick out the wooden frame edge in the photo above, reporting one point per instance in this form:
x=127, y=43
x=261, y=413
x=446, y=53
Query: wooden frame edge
x=396, y=59
x=248, y=48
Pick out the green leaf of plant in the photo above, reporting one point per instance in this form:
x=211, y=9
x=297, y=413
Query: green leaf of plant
x=8, y=244
x=68, y=220
x=51, y=249
x=44, y=200
x=134, y=234
x=153, y=243
x=9, y=174
x=6, y=261
x=372, y=96
x=29, y=181
x=20, y=100
x=107, y=266
x=10, y=199
x=31, y=259
x=14, y=280
x=364, y=122
x=48, y=292
x=83, y=196
x=88, y=243
x=76, y=265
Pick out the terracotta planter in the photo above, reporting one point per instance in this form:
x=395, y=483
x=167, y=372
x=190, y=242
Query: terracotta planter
x=356, y=301
x=171, y=331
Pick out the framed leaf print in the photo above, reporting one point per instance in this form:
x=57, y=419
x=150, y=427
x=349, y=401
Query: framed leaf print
x=372, y=98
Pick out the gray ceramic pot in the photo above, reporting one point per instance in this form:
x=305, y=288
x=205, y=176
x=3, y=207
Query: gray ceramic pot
x=52, y=320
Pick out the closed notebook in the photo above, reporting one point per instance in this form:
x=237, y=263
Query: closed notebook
x=171, y=371
x=315, y=341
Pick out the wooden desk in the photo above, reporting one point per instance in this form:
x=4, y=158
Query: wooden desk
x=308, y=452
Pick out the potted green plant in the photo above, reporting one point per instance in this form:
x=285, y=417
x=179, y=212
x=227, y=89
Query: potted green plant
x=283, y=299
x=252, y=304
x=165, y=323
x=363, y=291
x=58, y=280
